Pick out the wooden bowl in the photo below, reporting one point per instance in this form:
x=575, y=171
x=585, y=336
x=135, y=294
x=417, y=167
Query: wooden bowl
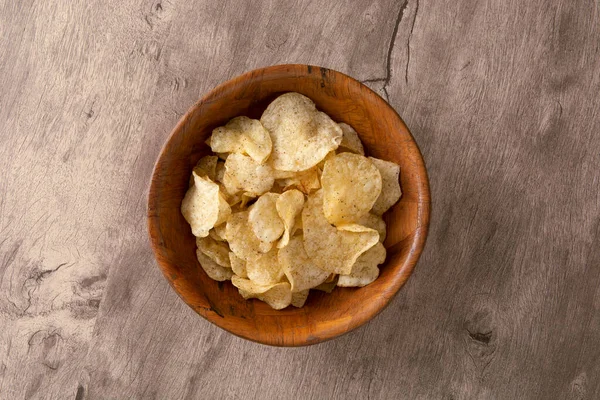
x=324, y=316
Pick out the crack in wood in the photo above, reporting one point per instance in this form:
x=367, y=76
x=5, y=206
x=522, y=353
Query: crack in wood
x=388, y=64
x=412, y=27
x=388, y=67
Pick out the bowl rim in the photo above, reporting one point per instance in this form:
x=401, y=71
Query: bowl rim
x=396, y=282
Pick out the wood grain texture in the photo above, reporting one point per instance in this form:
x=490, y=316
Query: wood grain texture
x=502, y=97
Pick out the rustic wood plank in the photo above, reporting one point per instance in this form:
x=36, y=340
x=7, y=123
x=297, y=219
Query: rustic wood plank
x=502, y=98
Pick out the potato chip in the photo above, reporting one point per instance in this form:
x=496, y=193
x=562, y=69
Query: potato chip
x=301, y=135
x=242, y=241
x=321, y=163
x=351, y=185
x=212, y=269
x=216, y=251
x=207, y=166
x=289, y=205
x=278, y=295
x=219, y=232
x=299, y=298
x=299, y=268
x=306, y=181
x=328, y=286
x=264, y=219
x=265, y=270
x=224, y=210
x=374, y=222
x=331, y=249
x=390, y=190
x=243, y=174
x=364, y=270
x=350, y=140
x=215, y=236
x=244, y=136
x=203, y=206
x=219, y=171
x=238, y=266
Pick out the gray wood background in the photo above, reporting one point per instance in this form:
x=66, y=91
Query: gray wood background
x=503, y=97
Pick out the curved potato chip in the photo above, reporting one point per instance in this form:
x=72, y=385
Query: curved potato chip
x=301, y=135
x=374, y=222
x=289, y=205
x=299, y=298
x=207, y=165
x=331, y=249
x=224, y=210
x=238, y=266
x=219, y=232
x=216, y=251
x=305, y=181
x=265, y=270
x=244, y=136
x=242, y=241
x=299, y=268
x=350, y=140
x=278, y=295
x=214, y=235
x=390, y=191
x=219, y=171
x=328, y=285
x=212, y=269
x=351, y=185
x=264, y=219
x=242, y=173
x=364, y=270
x=203, y=206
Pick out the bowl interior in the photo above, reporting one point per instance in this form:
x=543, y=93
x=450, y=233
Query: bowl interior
x=324, y=316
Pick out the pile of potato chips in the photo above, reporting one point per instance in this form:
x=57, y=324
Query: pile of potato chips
x=289, y=203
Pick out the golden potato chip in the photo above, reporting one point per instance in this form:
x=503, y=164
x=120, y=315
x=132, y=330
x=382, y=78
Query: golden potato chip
x=238, y=266
x=364, y=270
x=243, y=174
x=219, y=171
x=390, y=191
x=331, y=249
x=203, y=206
x=374, y=222
x=212, y=269
x=351, y=185
x=350, y=140
x=224, y=210
x=219, y=232
x=264, y=219
x=278, y=295
x=244, y=136
x=265, y=270
x=289, y=205
x=299, y=268
x=328, y=286
x=321, y=163
x=265, y=247
x=305, y=181
x=214, y=235
x=301, y=135
x=277, y=174
x=207, y=165
x=299, y=298
x=216, y=251
x=245, y=199
x=242, y=241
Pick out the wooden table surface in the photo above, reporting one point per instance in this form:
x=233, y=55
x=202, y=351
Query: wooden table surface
x=503, y=98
